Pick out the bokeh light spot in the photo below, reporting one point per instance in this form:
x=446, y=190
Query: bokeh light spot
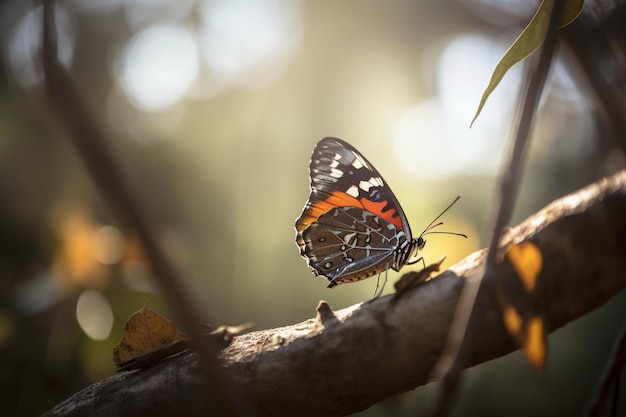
x=108, y=245
x=246, y=42
x=94, y=315
x=159, y=66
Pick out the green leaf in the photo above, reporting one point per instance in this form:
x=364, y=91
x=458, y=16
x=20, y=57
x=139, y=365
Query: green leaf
x=528, y=42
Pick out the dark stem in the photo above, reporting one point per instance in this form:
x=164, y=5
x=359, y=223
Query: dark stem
x=108, y=176
x=472, y=302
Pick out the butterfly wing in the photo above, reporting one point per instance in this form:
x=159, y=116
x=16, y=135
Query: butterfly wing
x=352, y=224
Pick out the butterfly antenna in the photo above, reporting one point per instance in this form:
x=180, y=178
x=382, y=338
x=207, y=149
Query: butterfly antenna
x=431, y=225
x=445, y=233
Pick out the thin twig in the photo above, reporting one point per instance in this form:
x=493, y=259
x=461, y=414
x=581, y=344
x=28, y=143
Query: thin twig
x=91, y=144
x=472, y=302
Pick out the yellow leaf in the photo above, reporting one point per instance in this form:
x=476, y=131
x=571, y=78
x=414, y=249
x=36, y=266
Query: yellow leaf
x=535, y=344
x=528, y=42
x=527, y=260
x=512, y=320
x=145, y=331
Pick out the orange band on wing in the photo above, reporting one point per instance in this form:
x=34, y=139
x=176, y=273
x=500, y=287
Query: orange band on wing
x=377, y=209
x=341, y=199
x=321, y=207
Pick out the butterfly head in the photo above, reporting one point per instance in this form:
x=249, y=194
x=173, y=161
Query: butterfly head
x=418, y=243
x=415, y=246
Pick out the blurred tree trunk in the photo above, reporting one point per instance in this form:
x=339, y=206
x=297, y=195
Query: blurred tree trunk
x=344, y=361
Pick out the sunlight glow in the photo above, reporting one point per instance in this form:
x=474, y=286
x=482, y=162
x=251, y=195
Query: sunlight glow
x=433, y=139
x=230, y=44
x=159, y=65
x=246, y=42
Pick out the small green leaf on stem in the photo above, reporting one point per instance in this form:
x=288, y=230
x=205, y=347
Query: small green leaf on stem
x=528, y=42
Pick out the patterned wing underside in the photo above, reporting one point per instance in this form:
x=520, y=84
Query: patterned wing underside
x=349, y=244
x=342, y=177
x=352, y=223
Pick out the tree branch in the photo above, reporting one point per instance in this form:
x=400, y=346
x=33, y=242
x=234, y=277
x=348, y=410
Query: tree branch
x=345, y=361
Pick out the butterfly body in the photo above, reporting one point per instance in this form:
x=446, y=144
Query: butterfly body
x=352, y=226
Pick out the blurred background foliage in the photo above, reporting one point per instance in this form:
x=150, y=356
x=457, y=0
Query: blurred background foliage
x=213, y=108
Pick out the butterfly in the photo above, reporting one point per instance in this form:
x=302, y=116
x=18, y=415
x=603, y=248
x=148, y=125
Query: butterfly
x=352, y=226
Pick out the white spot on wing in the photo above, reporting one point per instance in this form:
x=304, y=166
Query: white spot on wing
x=372, y=182
x=358, y=163
x=347, y=238
x=336, y=173
x=365, y=185
x=353, y=191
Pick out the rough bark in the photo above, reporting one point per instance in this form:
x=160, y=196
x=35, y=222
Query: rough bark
x=344, y=361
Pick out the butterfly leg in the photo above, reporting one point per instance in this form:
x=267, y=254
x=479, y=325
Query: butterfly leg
x=421, y=258
x=376, y=293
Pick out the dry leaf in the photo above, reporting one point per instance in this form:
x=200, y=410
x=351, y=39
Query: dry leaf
x=413, y=278
x=148, y=338
x=145, y=331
